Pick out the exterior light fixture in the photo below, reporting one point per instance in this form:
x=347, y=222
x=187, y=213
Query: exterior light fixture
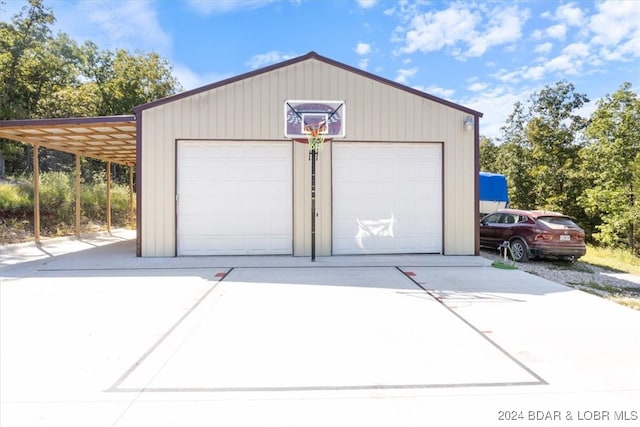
x=468, y=123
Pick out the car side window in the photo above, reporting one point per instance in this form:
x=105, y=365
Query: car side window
x=521, y=219
x=493, y=218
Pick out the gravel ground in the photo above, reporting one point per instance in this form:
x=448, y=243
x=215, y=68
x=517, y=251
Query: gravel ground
x=619, y=287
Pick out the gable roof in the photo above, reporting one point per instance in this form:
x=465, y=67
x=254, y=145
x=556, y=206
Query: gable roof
x=308, y=56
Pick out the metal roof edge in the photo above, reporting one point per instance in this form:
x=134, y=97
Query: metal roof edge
x=223, y=82
x=307, y=56
x=67, y=121
x=395, y=84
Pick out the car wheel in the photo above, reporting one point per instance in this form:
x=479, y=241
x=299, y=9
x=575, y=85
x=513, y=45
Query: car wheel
x=519, y=250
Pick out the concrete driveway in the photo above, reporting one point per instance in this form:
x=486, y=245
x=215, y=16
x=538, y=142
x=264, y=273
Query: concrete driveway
x=92, y=336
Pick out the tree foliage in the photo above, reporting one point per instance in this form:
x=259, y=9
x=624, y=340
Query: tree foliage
x=613, y=159
x=43, y=75
x=553, y=135
x=555, y=159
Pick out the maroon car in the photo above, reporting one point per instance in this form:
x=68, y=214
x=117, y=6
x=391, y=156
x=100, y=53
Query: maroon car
x=533, y=234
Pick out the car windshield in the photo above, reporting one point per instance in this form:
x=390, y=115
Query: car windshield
x=557, y=222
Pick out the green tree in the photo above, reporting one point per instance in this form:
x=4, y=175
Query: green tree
x=21, y=59
x=21, y=42
x=554, y=135
x=488, y=155
x=121, y=81
x=612, y=167
x=47, y=76
x=125, y=81
x=514, y=159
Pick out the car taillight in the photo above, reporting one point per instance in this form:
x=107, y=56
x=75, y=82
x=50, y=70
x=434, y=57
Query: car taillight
x=544, y=236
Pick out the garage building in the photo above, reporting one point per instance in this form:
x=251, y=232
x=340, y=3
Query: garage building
x=216, y=175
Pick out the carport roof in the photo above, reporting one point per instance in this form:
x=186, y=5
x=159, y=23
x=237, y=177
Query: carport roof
x=110, y=138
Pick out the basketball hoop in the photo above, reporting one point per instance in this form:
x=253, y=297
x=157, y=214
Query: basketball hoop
x=316, y=134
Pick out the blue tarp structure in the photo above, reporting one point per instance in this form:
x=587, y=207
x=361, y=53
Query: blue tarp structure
x=493, y=187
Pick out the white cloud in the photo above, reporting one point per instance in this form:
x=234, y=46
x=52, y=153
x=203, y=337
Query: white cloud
x=271, y=57
x=616, y=27
x=363, y=49
x=543, y=48
x=577, y=50
x=404, y=75
x=390, y=11
x=363, y=63
x=505, y=27
x=439, y=91
x=532, y=73
x=461, y=29
x=476, y=87
x=570, y=62
x=191, y=79
x=367, y=4
x=563, y=63
x=496, y=104
x=208, y=7
x=130, y=25
x=558, y=31
x=570, y=15
x=433, y=31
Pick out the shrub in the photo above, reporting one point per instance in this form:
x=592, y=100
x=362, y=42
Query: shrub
x=15, y=197
x=57, y=197
x=57, y=201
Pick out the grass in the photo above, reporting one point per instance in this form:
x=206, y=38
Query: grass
x=615, y=259
x=627, y=302
x=57, y=205
x=610, y=259
x=614, y=290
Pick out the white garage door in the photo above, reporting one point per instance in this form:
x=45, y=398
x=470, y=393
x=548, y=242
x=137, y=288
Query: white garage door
x=387, y=198
x=234, y=198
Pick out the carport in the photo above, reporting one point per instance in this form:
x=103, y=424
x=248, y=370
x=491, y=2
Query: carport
x=111, y=139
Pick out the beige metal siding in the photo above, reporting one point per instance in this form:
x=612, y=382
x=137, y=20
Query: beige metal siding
x=251, y=109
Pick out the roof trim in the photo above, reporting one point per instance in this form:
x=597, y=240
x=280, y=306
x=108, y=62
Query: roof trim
x=67, y=121
x=308, y=56
x=110, y=138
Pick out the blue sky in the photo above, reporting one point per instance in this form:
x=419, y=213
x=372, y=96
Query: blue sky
x=484, y=55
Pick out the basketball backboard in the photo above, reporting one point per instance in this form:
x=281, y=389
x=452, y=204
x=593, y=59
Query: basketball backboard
x=301, y=116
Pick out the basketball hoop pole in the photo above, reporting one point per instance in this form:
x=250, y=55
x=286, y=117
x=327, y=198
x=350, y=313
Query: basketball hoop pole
x=313, y=156
x=315, y=140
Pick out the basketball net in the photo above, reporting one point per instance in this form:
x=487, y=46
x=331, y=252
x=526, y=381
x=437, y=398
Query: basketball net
x=316, y=135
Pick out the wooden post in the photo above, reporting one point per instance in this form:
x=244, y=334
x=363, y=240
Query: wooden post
x=78, y=207
x=109, y=197
x=131, y=197
x=36, y=194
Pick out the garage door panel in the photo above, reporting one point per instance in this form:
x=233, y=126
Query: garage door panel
x=234, y=198
x=387, y=198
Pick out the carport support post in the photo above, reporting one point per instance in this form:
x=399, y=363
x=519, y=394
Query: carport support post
x=131, y=196
x=109, y=197
x=36, y=194
x=314, y=156
x=78, y=194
